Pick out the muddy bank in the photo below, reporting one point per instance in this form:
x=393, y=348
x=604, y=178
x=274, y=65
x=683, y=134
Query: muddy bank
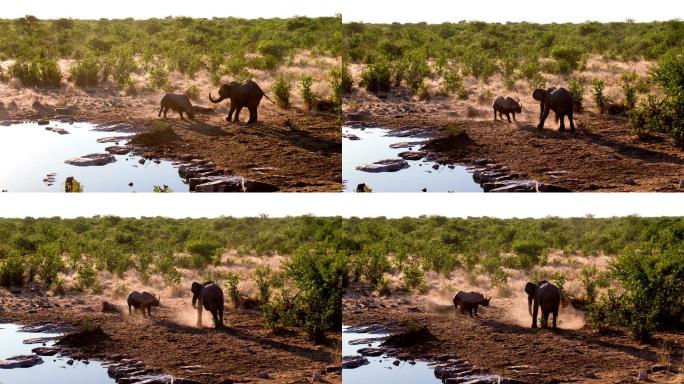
x=496, y=344
x=168, y=343
x=292, y=150
x=601, y=156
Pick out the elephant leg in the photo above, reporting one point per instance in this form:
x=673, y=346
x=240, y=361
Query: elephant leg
x=199, y=314
x=545, y=319
x=221, y=316
x=562, y=123
x=544, y=115
x=214, y=314
x=535, y=313
x=252, y=115
x=237, y=114
x=572, y=123
x=555, y=315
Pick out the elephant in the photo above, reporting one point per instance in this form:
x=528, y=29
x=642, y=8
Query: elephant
x=544, y=295
x=143, y=301
x=558, y=100
x=506, y=106
x=469, y=301
x=247, y=94
x=178, y=103
x=210, y=297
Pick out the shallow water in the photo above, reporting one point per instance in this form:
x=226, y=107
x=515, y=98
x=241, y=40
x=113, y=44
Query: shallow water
x=53, y=370
x=30, y=152
x=380, y=369
x=374, y=145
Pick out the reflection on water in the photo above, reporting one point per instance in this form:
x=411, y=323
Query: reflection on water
x=30, y=152
x=373, y=145
x=53, y=370
x=380, y=369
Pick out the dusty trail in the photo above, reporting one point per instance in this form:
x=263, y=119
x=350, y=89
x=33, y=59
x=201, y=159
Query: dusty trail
x=242, y=352
x=496, y=342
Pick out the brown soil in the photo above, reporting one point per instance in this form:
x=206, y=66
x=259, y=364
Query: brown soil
x=496, y=343
x=169, y=341
x=601, y=156
x=293, y=149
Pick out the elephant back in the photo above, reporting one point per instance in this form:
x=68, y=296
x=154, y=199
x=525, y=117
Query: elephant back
x=212, y=296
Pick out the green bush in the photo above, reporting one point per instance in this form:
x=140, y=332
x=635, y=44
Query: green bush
x=576, y=89
x=281, y=91
x=529, y=253
x=37, y=72
x=629, y=81
x=568, y=58
x=159, y=77
x=11, y=271
x=307, y=94
x=86, y=278
x=413, y=277
x=667, y=114
x=48, y=262
x=346, y=78
x=262, y=278
x=452, y=82
x=203, y=251
x=653, y=290
x=597, y=87
x=417, y=69
x=232, y=281
x=559, y=279
x=85, y=72
x=376, y=77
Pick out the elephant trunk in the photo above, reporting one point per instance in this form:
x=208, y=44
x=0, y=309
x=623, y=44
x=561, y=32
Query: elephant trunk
x=529, y=305
x=220, y=99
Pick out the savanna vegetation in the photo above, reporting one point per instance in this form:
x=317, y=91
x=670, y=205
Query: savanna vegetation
x=412, y=55
x=305, y=292
x=97, y=51
x=642, y=288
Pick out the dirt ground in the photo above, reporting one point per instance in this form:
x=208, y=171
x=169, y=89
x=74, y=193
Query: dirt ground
x=169, y=341
x=602, y=155
x=293, y=149
x=496, y=342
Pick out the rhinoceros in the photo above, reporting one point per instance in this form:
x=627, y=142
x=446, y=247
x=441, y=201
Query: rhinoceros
x=142, y=301
x=506, y=106
x=178, y=103
x=469, y=301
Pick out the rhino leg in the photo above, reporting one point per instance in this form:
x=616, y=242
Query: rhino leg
x=161, y=108
x=514, y=117
x=494, y=114
x=508, y=116
x=180, y=112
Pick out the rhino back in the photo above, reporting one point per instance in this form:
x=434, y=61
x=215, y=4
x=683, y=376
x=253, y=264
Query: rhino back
x=178, y=101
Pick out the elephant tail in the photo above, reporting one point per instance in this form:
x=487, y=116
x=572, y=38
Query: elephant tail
x=268, y=98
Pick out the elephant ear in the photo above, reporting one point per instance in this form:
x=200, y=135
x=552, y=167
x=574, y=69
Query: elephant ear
x=530, y=288
x=539, y=94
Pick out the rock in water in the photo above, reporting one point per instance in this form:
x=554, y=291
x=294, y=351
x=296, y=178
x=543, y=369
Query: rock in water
x=22, y=361
x=94, y=159
x=351, y=362
x=389, y=165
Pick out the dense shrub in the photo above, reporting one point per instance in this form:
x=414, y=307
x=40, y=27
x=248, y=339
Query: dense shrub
x=39, y=71
x=11, y=271
x=568, y=58
x=281, y=91
x=452, y=82
x=159, y=78
x=232, y=281
x=652, y=284
x=203, y=251
x=376, y=77
x=629, y=82
x=417, y=70
x=262, y=278
x=528, y=252
x=85, y=72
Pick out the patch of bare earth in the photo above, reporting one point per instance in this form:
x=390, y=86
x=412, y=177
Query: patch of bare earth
x=244, y=351
x=497, y=343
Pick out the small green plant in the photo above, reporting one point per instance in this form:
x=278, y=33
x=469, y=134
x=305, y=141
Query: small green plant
x=307, y=94
x=346, y=82
x=576, y=89
x=262, y=278
x=559, y=279
x=597, y=87
x=589, y=279
x=281, y=91
x=85, y=72
x=629, y=81
x=413, y=277
x=232, y=281
x=86, y=277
